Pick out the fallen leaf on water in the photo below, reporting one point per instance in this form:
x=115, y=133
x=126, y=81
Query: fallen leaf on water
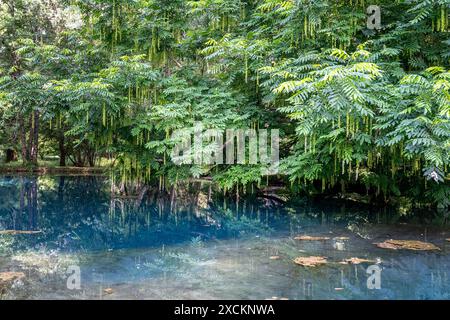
x=15, y=232
x=406, y=244
x=108, y=291
x=310, y=238
x=310, y=261
x=356, y=261
x=274, y=257
x=8, y=277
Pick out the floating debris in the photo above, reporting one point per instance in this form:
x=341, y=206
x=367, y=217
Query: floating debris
x=338, y=289
x=16, y=232
x=108, y=291
x=274, y=258
x=310, y=238
x=356, y=261
x=406, y=244
x=310, y=261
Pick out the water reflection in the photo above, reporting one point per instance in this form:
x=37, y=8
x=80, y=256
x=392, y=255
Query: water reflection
x=200, y=245
x=80, y=212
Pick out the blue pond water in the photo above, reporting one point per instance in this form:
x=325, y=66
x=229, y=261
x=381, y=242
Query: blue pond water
x=202, y=247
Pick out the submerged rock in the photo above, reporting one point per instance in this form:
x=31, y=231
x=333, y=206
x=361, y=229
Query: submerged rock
x=407, y=245
x=9, y=278
x=310, y=261
x=310, y=238
x=44, y=262
x=16, y=232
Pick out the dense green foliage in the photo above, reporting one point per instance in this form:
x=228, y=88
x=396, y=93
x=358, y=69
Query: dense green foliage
x=359, y=110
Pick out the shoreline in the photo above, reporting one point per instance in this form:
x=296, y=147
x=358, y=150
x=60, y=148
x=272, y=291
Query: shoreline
x=54, y=170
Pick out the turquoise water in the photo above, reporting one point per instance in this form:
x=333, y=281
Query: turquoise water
x=202, y=247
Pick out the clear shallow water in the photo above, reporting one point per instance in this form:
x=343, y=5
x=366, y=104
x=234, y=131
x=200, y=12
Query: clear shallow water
x=192, y=249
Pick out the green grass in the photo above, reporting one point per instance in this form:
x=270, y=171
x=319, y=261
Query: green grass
x=52, y=166
x=19, y=164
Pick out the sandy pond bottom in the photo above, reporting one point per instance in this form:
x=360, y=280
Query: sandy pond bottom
x=148, y=251
x=252, y=268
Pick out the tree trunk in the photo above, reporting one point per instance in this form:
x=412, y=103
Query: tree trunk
x=10, y=155
x=78, y=159
x=23, y=141
x=91, y=158
x=34, y=138
x=30, y=146
x=62, y=151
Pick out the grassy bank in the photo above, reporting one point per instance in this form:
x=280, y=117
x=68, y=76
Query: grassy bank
x=50, y=167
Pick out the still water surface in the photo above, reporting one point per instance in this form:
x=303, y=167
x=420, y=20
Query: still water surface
x=204, y=248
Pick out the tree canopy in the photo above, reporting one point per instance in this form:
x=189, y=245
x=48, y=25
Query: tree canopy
x=359, y=109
